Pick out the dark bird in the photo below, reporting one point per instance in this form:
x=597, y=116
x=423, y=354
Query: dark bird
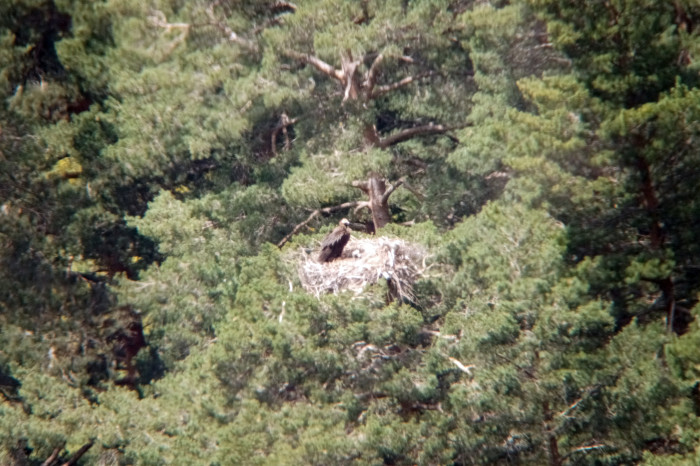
x=333, y=244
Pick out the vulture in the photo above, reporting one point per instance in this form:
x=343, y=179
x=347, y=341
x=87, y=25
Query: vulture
x=333, y=244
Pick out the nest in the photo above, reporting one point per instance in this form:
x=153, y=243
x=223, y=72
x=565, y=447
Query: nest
x=364, y=262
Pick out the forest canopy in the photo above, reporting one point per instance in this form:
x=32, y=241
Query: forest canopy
x=531, y=169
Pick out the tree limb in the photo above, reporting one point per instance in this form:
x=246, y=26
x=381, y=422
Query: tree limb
x=409, y=133
x=285, y=121
x=317, y=63
x=466, y=369
x=158, y=19
x=78, y=454
x=391, y=188
x=54, y=456
x=372, y=75
x=381, y=90
x=363, y=185
x=585, y=449
x=325, y=210
x=349, y=67
x=230, y=33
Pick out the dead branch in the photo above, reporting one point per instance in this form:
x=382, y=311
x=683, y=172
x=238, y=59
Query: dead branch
x=362, y=185
x=372, y=75
x=317, y=63
x=391, y=188
x=466, y=369
x=78, y=454
x=349, y=67
x=158, y=19
x=228, y=32
x=284, y=6
x=585, y=449
x=285, y=121
x=409, y=133
x=381, y=90
x=54, y=456
x=437, y=334
x=325, y=210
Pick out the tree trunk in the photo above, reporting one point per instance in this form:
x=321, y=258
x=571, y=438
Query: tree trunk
x=376, y=190
x=552, y=443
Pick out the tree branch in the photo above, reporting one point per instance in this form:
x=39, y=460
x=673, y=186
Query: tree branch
x=409, y=133
x=54, y=456
x=381, y=90
x=317, y=63
x=78, y=454
x=466, y=369
x=349, y=67
x=282, y=126
x=585, y=449
x=158, y=19
x=363, y=185
x=391, y=188
x=325, y=210
x=230, y=33
x=372, y=75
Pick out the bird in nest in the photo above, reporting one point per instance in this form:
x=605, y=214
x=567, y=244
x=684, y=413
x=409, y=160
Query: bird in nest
x=333, y=244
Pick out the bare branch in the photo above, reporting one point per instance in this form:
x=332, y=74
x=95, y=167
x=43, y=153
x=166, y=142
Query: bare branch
x=363, y=185
x=409, y=133
x=230, y=33
x=568, y=410
x=585, y=449
x=372, y=75
x=74, y=459
x=362, y=205
x=349, y=67
x=391, y=188
x=381, y=90
x=325, y=210
x=440, y=335
x=54, y=456
x=462, y=367
x=158, y=19
x=317, y=63
x=284, y=6
x=285, y=121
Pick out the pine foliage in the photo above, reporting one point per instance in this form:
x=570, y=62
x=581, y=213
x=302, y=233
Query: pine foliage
x=168, y=169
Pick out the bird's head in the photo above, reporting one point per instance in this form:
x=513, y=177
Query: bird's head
x=345, y=222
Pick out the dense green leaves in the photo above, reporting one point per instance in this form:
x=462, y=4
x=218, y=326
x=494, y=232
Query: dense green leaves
x=152, y=155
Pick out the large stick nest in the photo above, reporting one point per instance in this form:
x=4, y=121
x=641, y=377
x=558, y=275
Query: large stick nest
x=364, y=262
